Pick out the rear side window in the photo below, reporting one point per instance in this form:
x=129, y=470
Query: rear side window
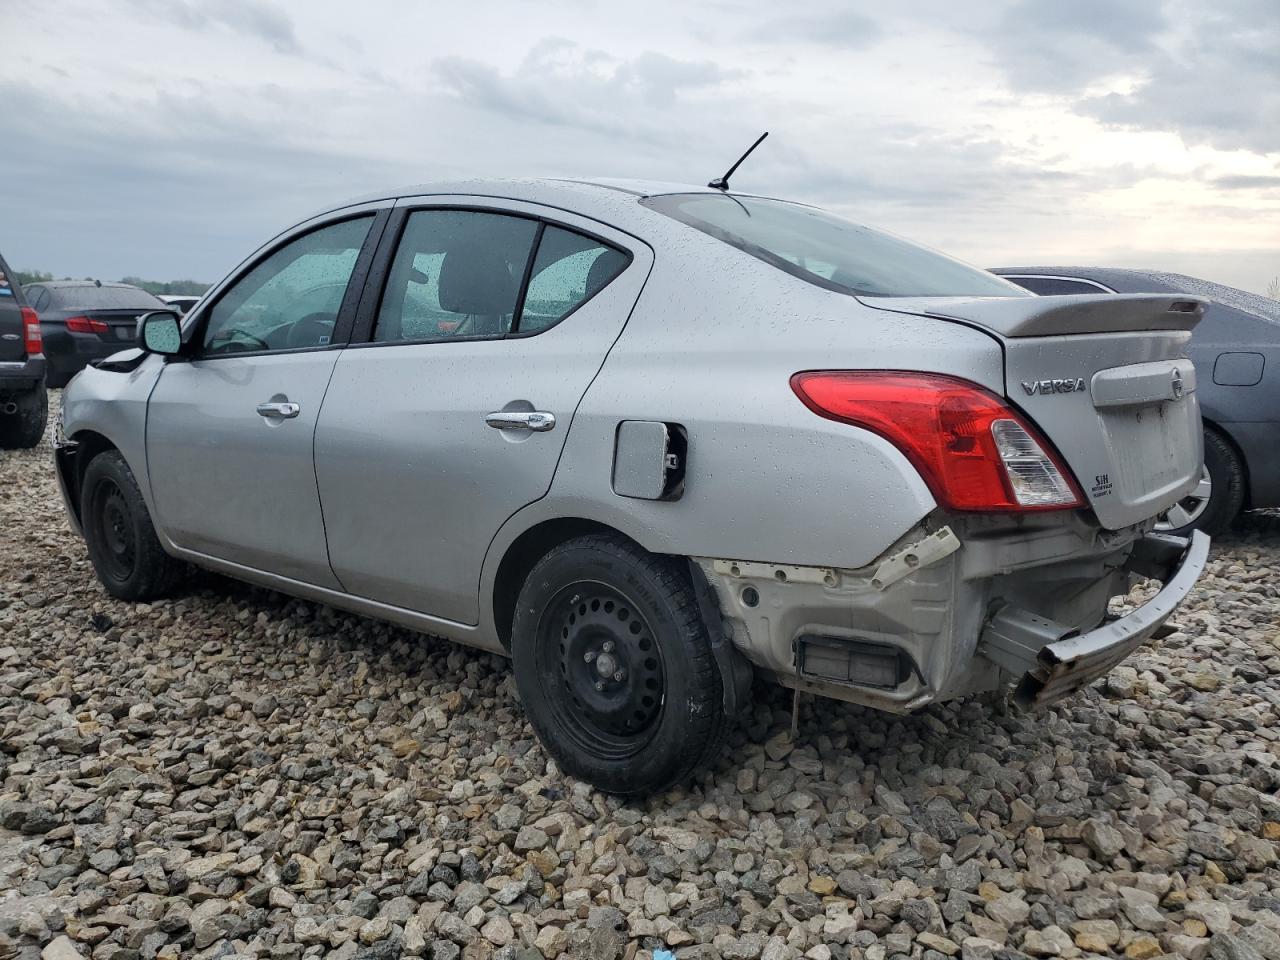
x=1055, y=286
x=456, y=273
x=569, y=270
x=462, y=274
x=829, y=251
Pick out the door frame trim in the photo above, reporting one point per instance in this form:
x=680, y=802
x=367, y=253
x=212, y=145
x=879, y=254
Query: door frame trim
x=197, y=320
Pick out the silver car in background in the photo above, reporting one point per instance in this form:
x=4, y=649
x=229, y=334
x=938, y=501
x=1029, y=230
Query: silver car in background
x=651, y=440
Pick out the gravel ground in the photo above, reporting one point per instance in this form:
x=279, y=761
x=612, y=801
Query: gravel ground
x=238, y=773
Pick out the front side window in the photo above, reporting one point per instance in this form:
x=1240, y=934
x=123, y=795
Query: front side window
x=568, y=271
x=456, y=273
x=829, y=251
x=291, y=299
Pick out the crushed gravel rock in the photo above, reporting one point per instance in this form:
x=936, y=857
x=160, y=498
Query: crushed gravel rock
x=236, y=773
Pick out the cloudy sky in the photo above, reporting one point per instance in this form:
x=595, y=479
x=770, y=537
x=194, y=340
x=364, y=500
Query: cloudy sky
x=168, y=138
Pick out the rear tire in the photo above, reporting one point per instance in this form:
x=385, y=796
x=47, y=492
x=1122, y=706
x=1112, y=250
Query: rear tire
x=1226, y=489
x=614, y=667
x=56, y=380
x=123, y=546
x=24, y=428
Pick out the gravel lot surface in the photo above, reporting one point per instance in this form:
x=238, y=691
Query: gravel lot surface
x=236, y=773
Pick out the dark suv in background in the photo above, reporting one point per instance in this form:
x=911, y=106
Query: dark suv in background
x=24, y=405
x=84, y=320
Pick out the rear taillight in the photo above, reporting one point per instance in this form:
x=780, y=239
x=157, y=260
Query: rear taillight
x=32, y=342
x=86, y=325
x=974, y=451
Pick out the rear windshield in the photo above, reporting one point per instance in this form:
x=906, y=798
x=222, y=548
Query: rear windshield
x=829, y=251
x=104, y=298
x=10, y=292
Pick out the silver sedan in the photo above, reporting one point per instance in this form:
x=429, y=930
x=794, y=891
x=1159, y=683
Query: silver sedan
x=652, y=440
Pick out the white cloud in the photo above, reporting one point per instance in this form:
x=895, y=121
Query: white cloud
x=1008, y=131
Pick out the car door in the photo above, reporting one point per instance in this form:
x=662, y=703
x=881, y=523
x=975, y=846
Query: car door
x=493, y=320
x=230, y=427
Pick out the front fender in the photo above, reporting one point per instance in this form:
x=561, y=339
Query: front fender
x=101, y=405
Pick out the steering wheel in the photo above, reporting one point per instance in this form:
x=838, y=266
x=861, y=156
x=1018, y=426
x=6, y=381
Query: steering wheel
x=307, y=331
x=222, y=343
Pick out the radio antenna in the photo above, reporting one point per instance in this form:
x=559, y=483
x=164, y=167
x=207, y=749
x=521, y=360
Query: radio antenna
x=722, y=183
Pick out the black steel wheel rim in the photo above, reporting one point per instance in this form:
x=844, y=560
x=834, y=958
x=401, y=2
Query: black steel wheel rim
x=115, y=529
x=602, y=669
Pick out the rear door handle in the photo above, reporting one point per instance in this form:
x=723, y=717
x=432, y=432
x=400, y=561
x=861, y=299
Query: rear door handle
x=273, y=410
x=539, y=421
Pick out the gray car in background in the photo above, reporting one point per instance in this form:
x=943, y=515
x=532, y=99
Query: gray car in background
x=1236, y=350
x=651, y=439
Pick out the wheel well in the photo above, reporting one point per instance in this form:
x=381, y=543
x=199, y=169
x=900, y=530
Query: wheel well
x=1240, y=459
x=88, y=445
x=527, y=549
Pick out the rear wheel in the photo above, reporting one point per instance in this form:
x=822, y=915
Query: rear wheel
x=1216, y=501
x=123, y=546
x=23, y=428
x=614, y=667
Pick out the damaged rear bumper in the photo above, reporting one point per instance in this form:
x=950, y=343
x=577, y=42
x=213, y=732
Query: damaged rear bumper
x=1055, y=660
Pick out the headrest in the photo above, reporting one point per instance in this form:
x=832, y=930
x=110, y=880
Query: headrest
x=476, y=280
x=602, y=271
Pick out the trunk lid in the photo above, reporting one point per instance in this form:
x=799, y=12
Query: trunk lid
x=122, y=324
x=1106, y=380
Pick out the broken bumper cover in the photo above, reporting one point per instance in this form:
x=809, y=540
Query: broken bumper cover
x=64, y=452
x=1055, y=660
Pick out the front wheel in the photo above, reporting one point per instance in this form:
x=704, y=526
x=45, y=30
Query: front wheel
x=123, y=546
x=614, y=667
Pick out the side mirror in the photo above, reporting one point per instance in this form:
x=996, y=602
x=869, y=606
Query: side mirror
x=161, y=333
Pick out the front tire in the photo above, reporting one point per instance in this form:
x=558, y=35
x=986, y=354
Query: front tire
x=614, y=667
x=123, y=546
x=23, y=429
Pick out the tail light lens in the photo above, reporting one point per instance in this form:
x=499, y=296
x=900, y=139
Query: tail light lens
x=972, y=449
x=32, y=341
x=86, y=325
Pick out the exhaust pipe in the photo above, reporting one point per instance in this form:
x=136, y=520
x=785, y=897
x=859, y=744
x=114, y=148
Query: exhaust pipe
x=9, y=408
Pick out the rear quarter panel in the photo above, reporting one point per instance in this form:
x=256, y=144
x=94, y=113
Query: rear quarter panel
x=712, y=345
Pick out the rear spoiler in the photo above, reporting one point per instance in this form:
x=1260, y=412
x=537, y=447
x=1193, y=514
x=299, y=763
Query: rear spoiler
x=1054, y=316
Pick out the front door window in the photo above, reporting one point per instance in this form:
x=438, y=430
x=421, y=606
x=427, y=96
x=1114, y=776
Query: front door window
x=291, y=299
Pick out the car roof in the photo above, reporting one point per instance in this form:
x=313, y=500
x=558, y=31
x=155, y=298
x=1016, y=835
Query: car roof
x=601, y=187
x=63, y=284
x=607, y=199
